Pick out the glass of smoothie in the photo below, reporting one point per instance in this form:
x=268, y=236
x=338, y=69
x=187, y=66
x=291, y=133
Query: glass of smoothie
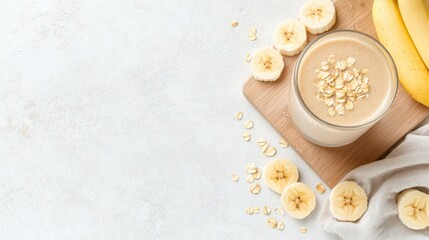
x=342, y=84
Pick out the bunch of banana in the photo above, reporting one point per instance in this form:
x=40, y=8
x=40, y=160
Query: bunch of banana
x=290, y=38
x=407, y=42
x=413, y=209
x=416, y=18
x=348, y=201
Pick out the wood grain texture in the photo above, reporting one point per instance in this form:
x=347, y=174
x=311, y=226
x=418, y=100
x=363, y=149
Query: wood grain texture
x=331, y=164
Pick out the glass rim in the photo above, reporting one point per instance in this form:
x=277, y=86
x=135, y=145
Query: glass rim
x=387, y=56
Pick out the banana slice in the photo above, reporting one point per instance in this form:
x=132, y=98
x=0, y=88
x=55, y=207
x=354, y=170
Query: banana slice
x=290, y=37
x=267, y=64
x=318, y=15
x=348, y=201
x=413, y=209
x=298, y=200
x=279, y=174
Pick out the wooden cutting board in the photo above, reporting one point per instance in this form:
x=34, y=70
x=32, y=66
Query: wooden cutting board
x=331, y=164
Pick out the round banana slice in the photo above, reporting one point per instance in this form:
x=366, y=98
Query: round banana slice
x=267, y=64
x=318, y=16
x=348, y=201
x=279, y=174
x=290, y=37
x=413, y=209
x=298, y=200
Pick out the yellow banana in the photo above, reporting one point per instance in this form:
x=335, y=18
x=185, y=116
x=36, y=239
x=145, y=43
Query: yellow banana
x=415, y=14
x=393, y=34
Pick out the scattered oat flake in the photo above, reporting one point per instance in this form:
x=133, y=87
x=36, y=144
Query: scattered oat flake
x=271, y=151
x=256, y=210
x=271, y=222
x=248, y=124
x=266, y=210
x=264, y=148
x=331, y=111
x=281, y=226
x=261, y=142
x=331, y=59
x=252, y=29
x=248, y=58
x=257, y=174
x=249, y=211
x=235, y=177
x=252, y=37
x=303, y=229
x=250, y=179
x=239, y=115
x=280, y=211
x=320, y=188
x=283, y=143
x=251, y=168
x=324, y=66
x=255, y=188
x=350, y=61
x=246, y=136
x=349, y=105
x=234, y=23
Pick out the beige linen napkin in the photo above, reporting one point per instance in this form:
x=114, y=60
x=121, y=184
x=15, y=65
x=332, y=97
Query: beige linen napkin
x=405, y=167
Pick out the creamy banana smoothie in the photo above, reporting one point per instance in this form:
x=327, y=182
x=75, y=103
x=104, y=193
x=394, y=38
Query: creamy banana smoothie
x=342, y=84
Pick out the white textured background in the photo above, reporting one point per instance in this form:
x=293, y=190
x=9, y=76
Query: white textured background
x=116, y=120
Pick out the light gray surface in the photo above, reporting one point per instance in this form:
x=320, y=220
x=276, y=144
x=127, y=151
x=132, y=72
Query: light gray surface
x=116, y=120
